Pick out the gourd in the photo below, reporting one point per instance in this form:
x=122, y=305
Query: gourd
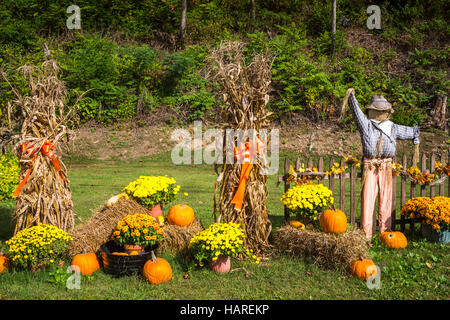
x=333, y=221
x=363, y=268
x=297, y=224
x=181, y=215
x=157, y=270
x=87, y=262
x=394, y=239
x=4, y=262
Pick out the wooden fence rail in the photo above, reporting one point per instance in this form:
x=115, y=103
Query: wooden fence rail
x=354, y=177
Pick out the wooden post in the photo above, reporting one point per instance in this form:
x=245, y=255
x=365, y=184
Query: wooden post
x=413, y=195
x=442, y=186
x=403, y=194
x=321, y=167
x=432, y=168
x=394, y=199
x=331, y=182
x=353, y=195
x=286, y=187
x=423, y=188
x=342, y=187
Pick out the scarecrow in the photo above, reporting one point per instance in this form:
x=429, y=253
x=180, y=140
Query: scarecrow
x=378, y=137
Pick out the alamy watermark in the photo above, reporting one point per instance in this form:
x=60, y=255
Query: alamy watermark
x=240, y=146
x=374, y=20
x=74, y=20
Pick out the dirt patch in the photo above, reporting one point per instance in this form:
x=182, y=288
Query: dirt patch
x=134, y=140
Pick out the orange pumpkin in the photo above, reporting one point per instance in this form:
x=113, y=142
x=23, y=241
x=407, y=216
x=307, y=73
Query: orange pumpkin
x=363, y=268
x=297, y=224
x=394, y=239
x=181, y=215
x=4, y=262
x=333, y=221
x=87, y=262
x=157, y=270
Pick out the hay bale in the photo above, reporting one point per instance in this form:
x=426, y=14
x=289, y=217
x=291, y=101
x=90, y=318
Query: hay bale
x=177, y=238
x=91, y=234
x=327, y=250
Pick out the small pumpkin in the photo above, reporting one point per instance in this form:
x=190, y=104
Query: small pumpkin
x=157, y=270
x=363, y=268
x=120, y=253
x=87, y=262
x=4, y=262
x=133, y=253
x=394, y=239
x=181, y=215
x=333, y=221
x=297, y=224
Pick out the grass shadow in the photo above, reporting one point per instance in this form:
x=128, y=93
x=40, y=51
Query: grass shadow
x=7, y=209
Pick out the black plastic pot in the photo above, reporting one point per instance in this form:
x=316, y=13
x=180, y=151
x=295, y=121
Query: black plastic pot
x=123, y=265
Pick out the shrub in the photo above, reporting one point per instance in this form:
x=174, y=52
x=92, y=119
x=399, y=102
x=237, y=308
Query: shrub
x=38, y=246
x=9, y=175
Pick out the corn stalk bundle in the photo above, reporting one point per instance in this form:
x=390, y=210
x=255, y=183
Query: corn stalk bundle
x=245, y=90
x=44, y=196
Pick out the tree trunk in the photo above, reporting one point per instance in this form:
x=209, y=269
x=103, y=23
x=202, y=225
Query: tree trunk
x=183, y=22
x=333, y=26
x=253, y=11
x=439, y=113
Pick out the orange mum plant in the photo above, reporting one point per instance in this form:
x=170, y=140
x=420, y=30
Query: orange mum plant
x=435, y=212
x=138, y=229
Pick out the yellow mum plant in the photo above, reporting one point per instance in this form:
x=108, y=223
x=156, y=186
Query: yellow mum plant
x=149, y=191
x=306, y=200
x=219, y=239
x=38, y=246
x=138, y=229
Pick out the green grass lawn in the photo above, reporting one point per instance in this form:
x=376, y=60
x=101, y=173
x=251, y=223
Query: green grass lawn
x=404, y=273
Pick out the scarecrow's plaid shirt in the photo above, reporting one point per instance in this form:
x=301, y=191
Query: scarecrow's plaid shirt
x=370, y=134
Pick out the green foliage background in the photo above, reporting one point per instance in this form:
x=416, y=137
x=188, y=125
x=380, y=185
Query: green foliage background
x=127, y=54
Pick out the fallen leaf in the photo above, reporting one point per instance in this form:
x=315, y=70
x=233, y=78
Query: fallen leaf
x=429, y=265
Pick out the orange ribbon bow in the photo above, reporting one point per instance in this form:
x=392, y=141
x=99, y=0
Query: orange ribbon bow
x=244, y=151
x=29, y=150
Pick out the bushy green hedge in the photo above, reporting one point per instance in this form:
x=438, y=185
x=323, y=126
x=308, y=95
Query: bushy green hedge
x=127, y=72
x=9, y=176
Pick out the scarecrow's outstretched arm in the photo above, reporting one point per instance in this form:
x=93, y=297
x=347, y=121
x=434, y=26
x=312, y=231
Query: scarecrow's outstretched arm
x=358, y=115
x=409, y=133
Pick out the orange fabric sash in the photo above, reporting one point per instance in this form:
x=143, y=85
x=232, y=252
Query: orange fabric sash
x=29, y=150
x=244, y=151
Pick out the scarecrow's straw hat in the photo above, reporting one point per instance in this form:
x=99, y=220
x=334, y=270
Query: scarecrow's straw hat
x=379, y=103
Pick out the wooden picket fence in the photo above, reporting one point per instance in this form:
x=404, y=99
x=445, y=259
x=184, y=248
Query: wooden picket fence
x=354, y=177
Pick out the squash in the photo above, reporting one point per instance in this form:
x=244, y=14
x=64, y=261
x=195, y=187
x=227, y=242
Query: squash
x=157, y=270
x=181, y=215
x=4, y=262
x=363, y=268
x=333, y=221
x=394, y=239
x=297, y=224
x=113, y=200
x=87, y=262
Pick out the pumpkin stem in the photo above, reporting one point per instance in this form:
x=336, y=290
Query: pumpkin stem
x=153, y=257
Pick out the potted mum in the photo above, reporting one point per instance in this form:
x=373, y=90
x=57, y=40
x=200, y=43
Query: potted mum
x=137, y=231
x=217, y=244
x=38, y=247
x=434, y=214
x=306, y=201
x=152, y=192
